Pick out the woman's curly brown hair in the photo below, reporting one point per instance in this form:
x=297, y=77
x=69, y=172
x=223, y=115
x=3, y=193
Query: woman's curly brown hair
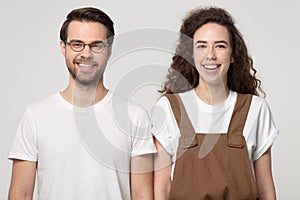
x=183, y=75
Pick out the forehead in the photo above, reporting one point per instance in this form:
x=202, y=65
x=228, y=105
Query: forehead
x=86, y=31
x=212, y=32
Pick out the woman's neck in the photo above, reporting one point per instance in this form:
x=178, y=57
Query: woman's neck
x=212, y=94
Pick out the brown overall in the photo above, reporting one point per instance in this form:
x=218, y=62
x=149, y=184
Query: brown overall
x=224, y=172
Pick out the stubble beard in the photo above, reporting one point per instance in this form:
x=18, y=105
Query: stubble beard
x=91, y=81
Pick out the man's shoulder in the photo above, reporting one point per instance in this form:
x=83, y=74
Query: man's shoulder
x=125, y=102
x=126, y=106
x=44, y=104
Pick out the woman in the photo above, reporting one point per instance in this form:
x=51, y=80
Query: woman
x=213, y=132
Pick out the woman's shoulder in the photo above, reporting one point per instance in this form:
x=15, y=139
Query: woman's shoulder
x=164, y=100
x=259, y=105
x=258, y=102
x=189, y=93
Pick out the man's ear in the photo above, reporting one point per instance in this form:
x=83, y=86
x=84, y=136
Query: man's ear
x=109, y=51
x=62, y=47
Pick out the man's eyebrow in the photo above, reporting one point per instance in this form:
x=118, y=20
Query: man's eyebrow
x=96, y=41
x=76, y=41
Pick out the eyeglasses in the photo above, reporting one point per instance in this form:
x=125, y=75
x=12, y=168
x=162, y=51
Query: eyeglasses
x=78, y=46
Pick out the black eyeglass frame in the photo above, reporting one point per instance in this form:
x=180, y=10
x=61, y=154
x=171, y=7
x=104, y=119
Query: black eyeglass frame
x=71, y=44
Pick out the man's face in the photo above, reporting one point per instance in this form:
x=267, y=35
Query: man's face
x=86, y=67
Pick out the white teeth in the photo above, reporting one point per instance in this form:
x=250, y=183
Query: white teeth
x=210, y=67
x=85, y=65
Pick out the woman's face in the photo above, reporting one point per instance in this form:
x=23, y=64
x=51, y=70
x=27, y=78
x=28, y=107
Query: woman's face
x=212, y=53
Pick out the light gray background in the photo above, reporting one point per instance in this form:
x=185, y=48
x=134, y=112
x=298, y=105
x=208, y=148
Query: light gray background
x=32, y=66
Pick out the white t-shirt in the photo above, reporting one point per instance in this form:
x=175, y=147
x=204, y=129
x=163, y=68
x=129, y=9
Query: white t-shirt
x=83, y=153
x=259, y=130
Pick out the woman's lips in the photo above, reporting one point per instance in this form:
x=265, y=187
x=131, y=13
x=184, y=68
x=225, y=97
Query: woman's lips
x=211, y=67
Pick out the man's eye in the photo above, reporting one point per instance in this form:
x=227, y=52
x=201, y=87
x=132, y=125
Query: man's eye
x=98, y=45
x=77, y=45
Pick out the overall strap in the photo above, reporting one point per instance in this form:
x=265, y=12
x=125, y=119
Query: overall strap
x=184, y=124
x=238, y=120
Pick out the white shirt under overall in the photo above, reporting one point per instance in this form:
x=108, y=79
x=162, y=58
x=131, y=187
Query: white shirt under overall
x=259, y=130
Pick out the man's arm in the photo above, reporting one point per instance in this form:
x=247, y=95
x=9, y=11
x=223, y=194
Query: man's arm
x=22, y=180
x=162, y=173
x=142, y=177
x=264, y=179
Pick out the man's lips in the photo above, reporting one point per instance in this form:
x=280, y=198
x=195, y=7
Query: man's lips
x=86, y=65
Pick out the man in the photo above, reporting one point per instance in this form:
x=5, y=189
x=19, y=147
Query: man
x=84, y=142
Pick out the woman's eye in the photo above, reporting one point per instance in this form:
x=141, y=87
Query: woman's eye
x=200, y=46
x=221, y=46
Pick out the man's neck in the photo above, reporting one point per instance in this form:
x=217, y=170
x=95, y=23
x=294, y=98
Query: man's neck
x=84, y=96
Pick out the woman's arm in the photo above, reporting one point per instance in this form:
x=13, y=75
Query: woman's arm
x=162, y=173
x=141, y=177
x=264, y=179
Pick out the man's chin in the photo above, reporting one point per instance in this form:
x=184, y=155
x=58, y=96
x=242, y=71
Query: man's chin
x=84, y=81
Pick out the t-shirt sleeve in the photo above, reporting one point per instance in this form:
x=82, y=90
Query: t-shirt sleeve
x=142, y=138
x=24, y=146
x=164, y=126
x=266, y=131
